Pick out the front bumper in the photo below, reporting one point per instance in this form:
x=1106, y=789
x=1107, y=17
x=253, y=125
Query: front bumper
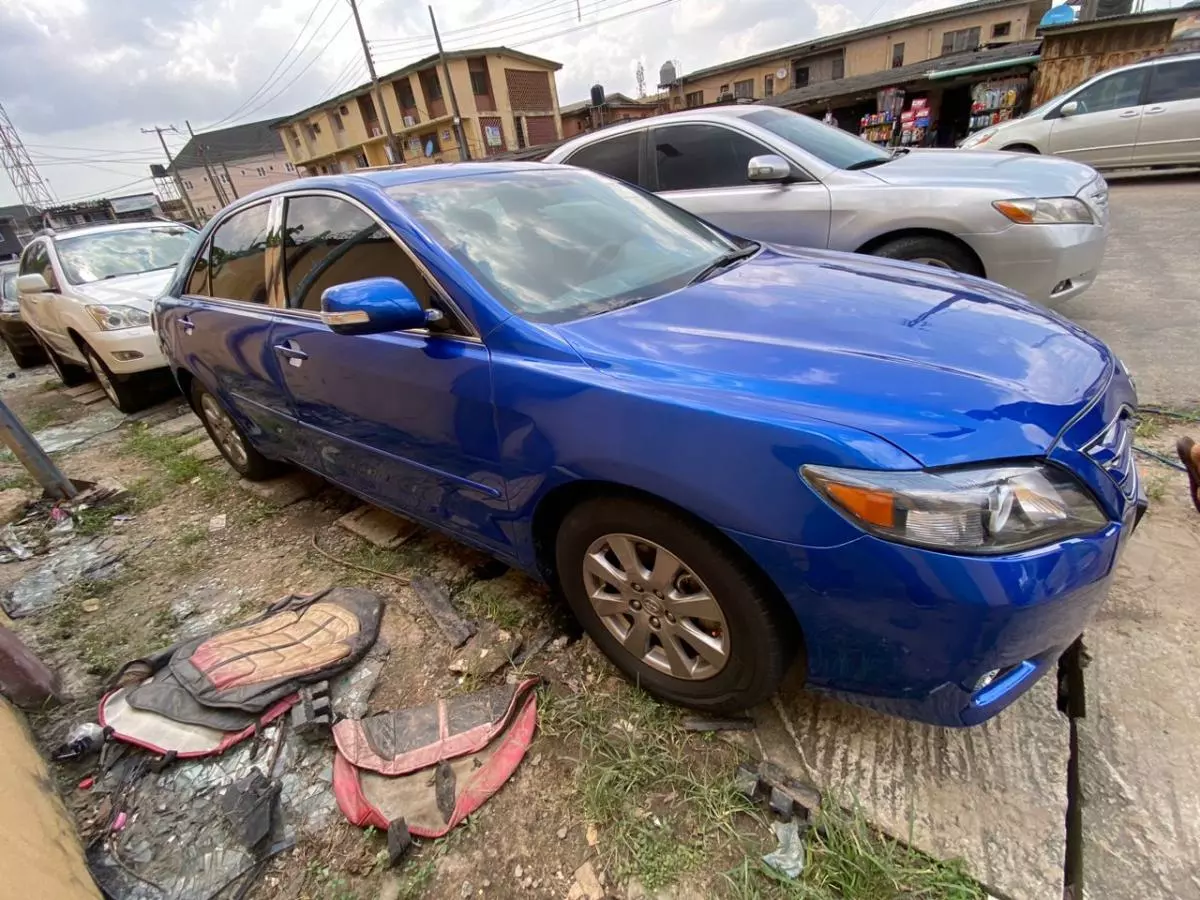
x=911, y=632
x=1046, y=263
x=118, y=349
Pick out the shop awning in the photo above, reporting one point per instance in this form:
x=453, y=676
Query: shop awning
x=983, y=67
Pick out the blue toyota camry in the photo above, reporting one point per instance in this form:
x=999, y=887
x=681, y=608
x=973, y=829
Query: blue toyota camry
x=731, y=457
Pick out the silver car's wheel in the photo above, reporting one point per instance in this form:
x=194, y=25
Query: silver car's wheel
x=656, y=607
x=224, y=432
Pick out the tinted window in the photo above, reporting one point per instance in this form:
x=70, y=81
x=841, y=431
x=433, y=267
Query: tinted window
x=1175, y=81
x=692, y=157
x=238, y=256
x=197, y=282
x=562, y=243
x=1114, y=92
x=830, y=145
x=617, y=157
x=330, y=241
x=36, y=260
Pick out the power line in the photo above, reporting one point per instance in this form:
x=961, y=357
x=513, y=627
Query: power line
x=592, y=24
x=128, y=152
x=454, y=32
x=106, y=192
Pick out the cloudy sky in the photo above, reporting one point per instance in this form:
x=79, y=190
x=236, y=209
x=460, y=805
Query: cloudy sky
x=81, y=78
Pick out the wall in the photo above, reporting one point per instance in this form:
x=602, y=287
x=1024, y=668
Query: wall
x=245, y=177
x=40, y=854
x=581, y=121
x=1069, y=59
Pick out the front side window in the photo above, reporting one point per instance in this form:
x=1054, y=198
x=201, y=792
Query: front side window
x=557, y=244
x=36, y=260
x=238, y=256
x=616, y=156
x=1173, y=81
x=111, y=254
x=696, y=157
x=328, y=241
x=830, y=145
x=1117, y=91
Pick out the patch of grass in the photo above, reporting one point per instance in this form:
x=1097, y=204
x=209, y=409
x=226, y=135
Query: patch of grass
x=42, y=417
x=191, y=535
x=331, y=884
x=21, y=480
x=489, y=600
x=1148, y=426
x=49, y=387
x=1156, y=489
x=168, y=453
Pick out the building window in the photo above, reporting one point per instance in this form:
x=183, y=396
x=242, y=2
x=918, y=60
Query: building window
x=432, y=86
x=768, y=85
x=404, y=95
x=744, y=88
x=261, y=171
x=838, y=69
x=722, y=91
x=695, y=98
x=958, y=41
x=312, y=131
x=521, y=142
x=479, y=82
x=338, y=124
x=287, y=166
x=801, y=77
x=360, y=160
x=897, y=55
x=1001, y=29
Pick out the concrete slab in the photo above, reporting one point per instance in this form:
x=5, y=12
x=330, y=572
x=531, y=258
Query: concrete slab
x=80, y=389
x=378, y=526
x=205, y=451
x=1139, y=742
x=95, y=395
x=286, y=490
x=176, y=427
x=994, y=796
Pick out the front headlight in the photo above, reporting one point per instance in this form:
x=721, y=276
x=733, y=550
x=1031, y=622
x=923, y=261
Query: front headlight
x=1047, y=211
x=116, y=317
x=981, y=509
x=979, y=137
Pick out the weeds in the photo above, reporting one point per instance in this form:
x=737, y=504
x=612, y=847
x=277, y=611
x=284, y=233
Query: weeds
x=490, y=600
x=190, y=535
x=1148, y=426
x=168, y=453
x=20, y=480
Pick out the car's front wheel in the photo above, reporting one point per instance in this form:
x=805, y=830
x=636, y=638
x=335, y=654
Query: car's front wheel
x=931, y=251
x=69, y=374
x=128, y=394
x=673, y=608
x=230, y=439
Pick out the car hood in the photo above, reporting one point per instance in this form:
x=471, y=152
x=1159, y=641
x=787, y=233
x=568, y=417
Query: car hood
x=1015, y=174
x=139, y=290
x=948, y=368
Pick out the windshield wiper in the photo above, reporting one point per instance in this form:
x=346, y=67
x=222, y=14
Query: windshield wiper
x=724, y=261
x=868, y=163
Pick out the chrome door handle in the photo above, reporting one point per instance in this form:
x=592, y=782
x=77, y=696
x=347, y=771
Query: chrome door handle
x=1155, y=109
x=289, y=349
x=186, y=324
x=1130, y=113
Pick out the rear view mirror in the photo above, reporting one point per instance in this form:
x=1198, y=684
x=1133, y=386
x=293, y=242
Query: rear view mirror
x=1069, y=108
x=373, y=306
x=32, y=283
x=768, y=167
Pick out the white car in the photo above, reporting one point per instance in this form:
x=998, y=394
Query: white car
x=87, y=293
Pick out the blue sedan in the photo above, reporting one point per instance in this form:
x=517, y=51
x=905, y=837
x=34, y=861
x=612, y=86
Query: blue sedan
x=731, y=457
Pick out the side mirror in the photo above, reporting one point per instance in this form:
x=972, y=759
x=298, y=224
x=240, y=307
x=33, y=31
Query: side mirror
x=1069, y=108
x=32, y=283
x=373, y=306
x=768, y=167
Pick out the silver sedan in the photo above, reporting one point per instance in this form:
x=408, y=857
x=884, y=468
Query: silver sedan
x=1035, y=224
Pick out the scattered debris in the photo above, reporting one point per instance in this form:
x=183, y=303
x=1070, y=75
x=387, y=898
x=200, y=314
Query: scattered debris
x=786, y=797
x=535, y=646
x=83, y=740
x=351, y=691
x=217, y=522
x=378, y=527
x=312, y=714
x=18, y=550
x=593, y=835
x=285, y=491
x=92, y=559
x=706, y=723
x=788, y=857
x=586, y=885
x=437, y=603
x=91, y=605
x=398, y=841
x=491, y=649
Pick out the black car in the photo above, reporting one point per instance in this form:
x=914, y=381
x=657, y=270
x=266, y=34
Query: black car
x=16, y=335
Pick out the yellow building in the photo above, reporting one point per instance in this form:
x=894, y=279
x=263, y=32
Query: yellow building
x=874, y=48
x=507, y=100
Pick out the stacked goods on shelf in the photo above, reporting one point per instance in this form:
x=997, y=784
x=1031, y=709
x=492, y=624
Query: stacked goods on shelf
x=997, y=101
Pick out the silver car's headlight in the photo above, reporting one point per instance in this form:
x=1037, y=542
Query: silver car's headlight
x=1046, y=211
x=116, y=317
x=977, y=509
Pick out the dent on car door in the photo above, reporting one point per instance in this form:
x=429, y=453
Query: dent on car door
x=1103, y=127
x=704, y=169
x=404, y=418
x=218, y=329
x=1170, y=123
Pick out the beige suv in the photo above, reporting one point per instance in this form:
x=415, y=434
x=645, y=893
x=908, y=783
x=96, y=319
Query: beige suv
x=1146, y=114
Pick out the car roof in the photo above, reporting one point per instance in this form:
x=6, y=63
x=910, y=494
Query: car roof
x=106, y=227
x=698, y=114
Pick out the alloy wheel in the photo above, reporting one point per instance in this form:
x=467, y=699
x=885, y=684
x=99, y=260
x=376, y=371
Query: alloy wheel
x=101, y=374
x=223, y=429
x=656, y=606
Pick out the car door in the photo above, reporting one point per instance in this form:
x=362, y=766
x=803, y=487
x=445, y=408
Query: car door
x=218, y=329
x=1170, y=124
x=38, y=309
x=703, y=168
x=405, y=418
x=1103, y=126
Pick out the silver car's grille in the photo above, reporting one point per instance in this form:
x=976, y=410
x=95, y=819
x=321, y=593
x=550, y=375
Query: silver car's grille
x=1095, y=195
x=1112, y=449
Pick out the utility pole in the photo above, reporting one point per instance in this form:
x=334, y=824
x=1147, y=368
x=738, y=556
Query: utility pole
x=229, y=180
x=212, y=176
x=187, y=201
x=31, y=455
x=463, y=152
x=393, y=144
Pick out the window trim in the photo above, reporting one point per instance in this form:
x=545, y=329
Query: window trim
x=205, y=248
x=644, y=168
x=652, y=159
x=472, y=333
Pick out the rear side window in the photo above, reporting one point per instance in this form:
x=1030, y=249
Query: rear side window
x=617, y=157
x=695, y=157
x=1175, y=81
x=328, y=241
x=238, y=256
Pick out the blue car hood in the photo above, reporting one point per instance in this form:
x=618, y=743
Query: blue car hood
x=948, y=368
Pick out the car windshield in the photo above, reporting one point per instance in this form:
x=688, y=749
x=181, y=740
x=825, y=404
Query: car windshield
x=554, y=244
x=8, y=284
x=826, y=142
x=110, y=254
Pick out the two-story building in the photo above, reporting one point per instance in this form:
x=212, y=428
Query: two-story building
x=580, y=117
x=874, y=48
x=507, y=100
x=217, y=167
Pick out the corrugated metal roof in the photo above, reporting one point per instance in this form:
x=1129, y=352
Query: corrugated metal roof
x=229, y=144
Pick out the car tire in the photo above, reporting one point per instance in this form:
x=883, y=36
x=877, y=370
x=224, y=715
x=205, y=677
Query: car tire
x=27, y=357
x=230, y=439
x=931, y=251
x=749, y=640
x=69, y=374
x=129, y=394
